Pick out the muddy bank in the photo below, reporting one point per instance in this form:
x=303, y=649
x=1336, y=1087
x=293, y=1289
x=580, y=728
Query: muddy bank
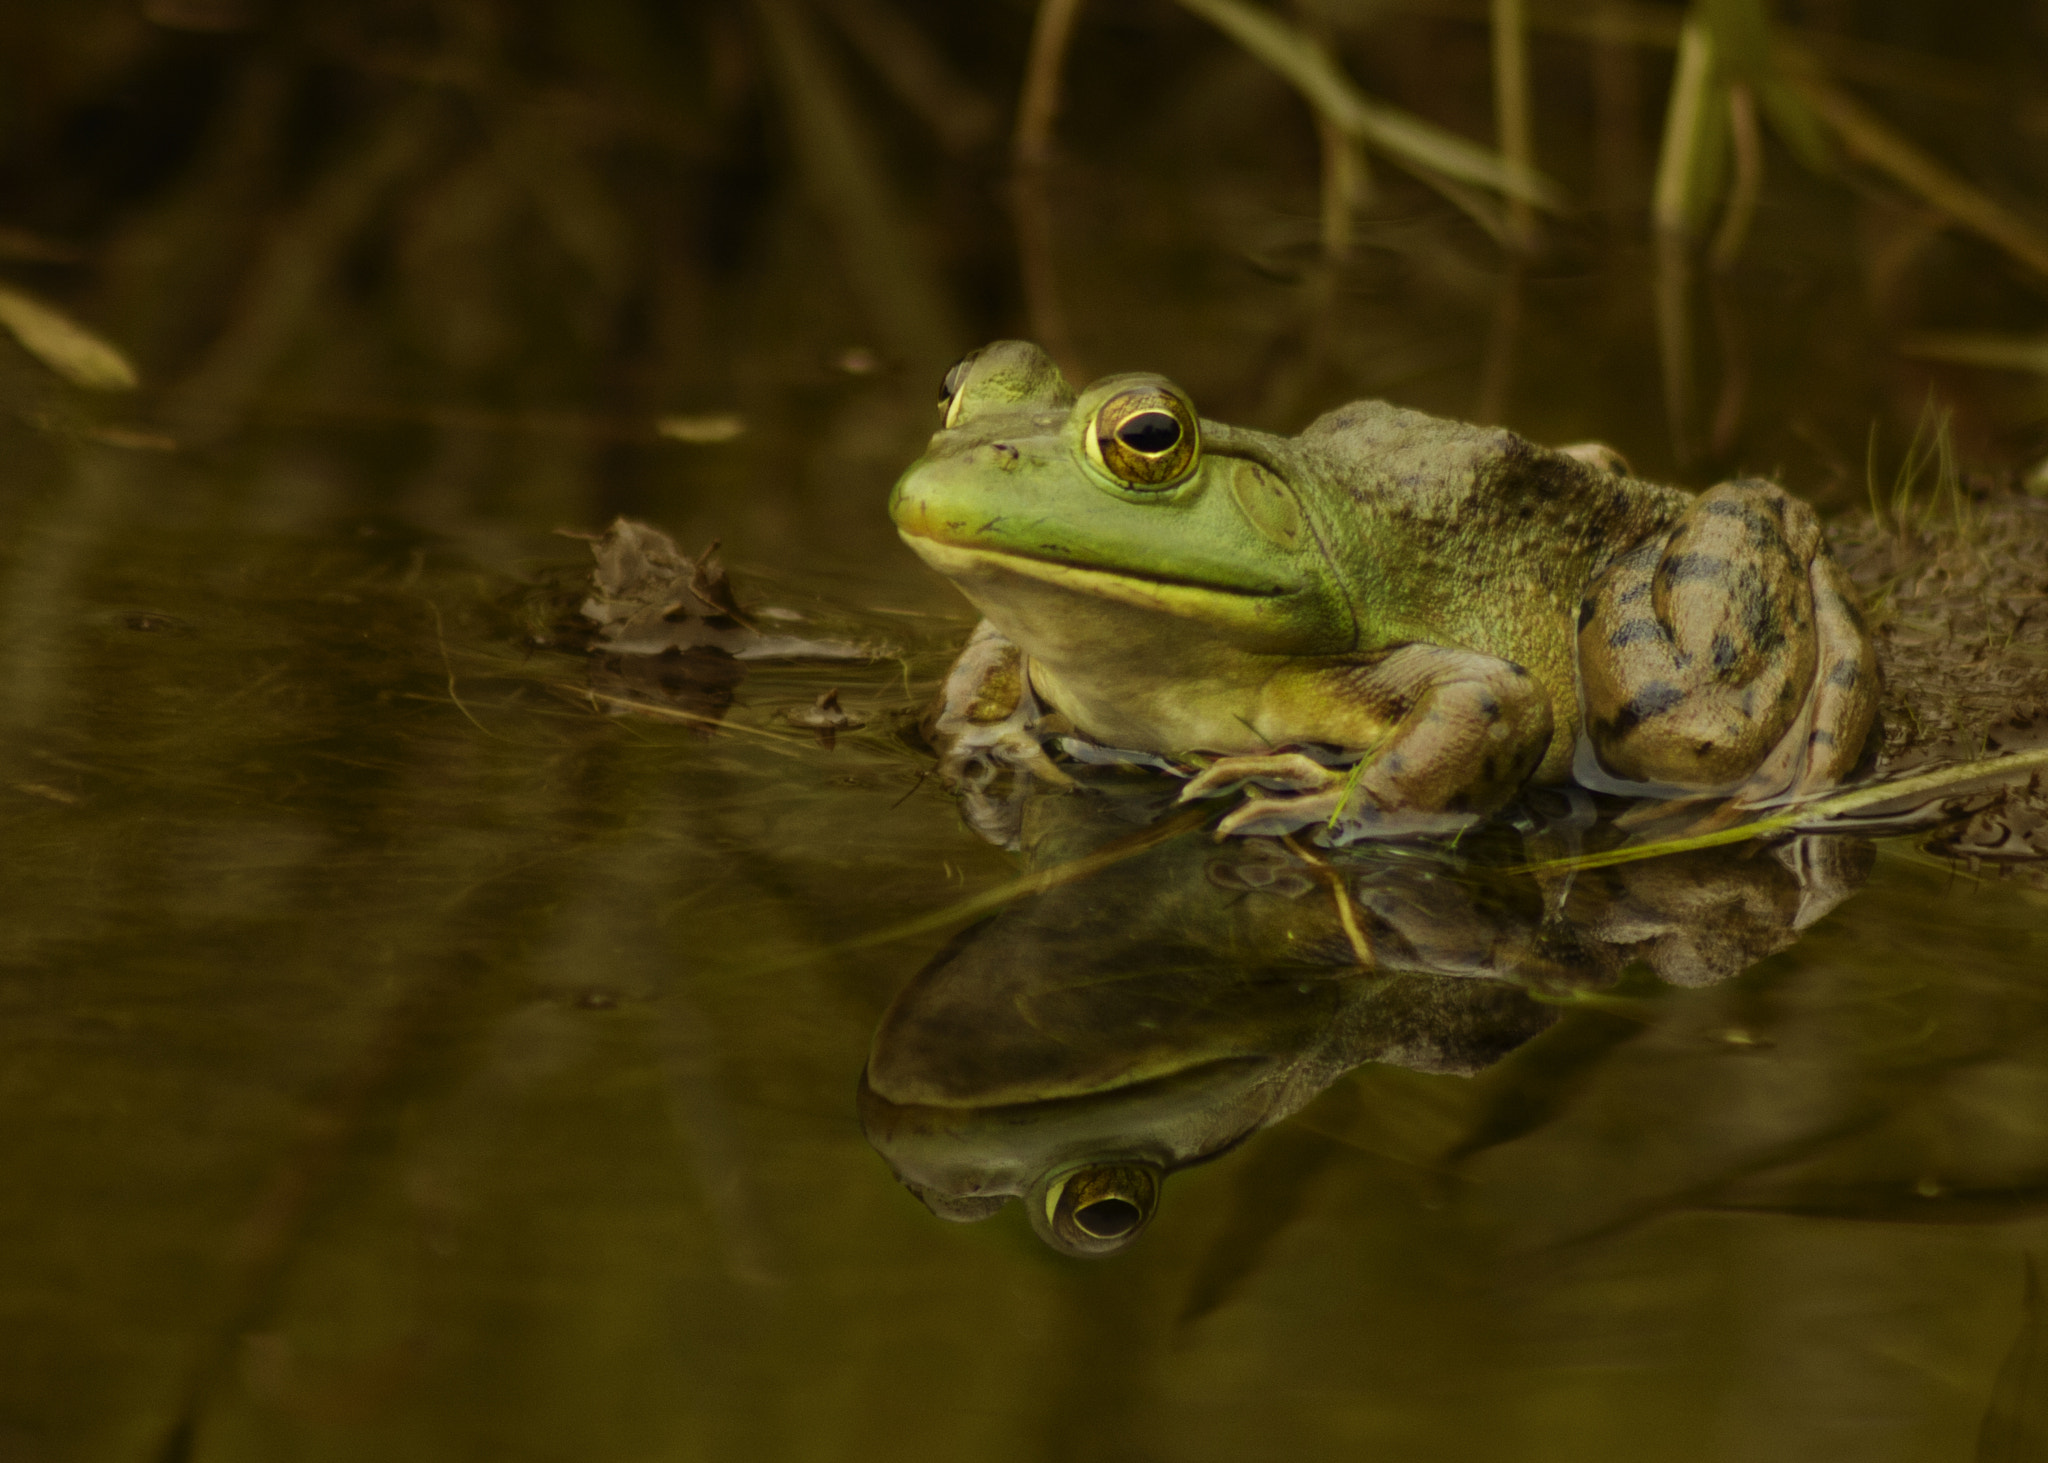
x=1959, y=604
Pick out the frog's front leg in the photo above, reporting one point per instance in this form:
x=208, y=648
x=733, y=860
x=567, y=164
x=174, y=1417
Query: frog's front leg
x=985, y=714
x=1449, y=736
x=1729, y=656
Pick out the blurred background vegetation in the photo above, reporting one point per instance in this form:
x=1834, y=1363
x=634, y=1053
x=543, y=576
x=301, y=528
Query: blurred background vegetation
x=389, y=1064
x=524, y=241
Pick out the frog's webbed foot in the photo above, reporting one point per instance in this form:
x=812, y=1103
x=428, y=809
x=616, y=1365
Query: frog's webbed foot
x=985, y=726
x=986, y=720
x=1272, y=817
x=1285, y=771
x=1452, y=734
x=1343, y=813
x=1314, y=792
x=1300, y=792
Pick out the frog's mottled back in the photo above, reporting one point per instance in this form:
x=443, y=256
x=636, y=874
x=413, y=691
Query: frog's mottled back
x=1472, y=536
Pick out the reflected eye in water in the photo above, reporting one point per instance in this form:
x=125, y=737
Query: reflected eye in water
x=1146, y=437
x=1097, y=1209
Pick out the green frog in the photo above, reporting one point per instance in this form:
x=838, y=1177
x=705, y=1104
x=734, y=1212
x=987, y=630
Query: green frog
x=1386, y=625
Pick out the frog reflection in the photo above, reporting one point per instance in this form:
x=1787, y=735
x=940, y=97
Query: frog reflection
x=1077, y=1048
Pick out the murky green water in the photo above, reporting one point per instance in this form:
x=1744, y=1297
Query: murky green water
x=405, y=1059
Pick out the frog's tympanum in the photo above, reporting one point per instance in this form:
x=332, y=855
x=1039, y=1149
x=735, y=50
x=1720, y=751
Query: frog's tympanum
x=1082, y=1045
x=1450, y=610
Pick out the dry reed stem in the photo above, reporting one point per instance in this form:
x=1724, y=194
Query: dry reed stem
x=885, y=261
x=1748, y=141
x=1513, y=124
x=1347, y=911
x=1030, y=158
x=922, y=79
x=1872, y=140
x=990, y=900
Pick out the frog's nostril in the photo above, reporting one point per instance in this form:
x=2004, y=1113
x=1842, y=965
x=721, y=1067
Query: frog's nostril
x=1108, y=1218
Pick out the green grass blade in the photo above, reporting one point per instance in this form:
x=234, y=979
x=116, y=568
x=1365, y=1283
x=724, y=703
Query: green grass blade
x=1811, y=816
x=1690, y=165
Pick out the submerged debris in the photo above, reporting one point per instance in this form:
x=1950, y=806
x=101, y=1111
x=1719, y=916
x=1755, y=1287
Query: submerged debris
x=666, y=634
x=826, y=717
x=699, y=682
x=649, y=598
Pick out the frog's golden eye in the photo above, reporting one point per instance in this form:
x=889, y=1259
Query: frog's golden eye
x=1145, y=437
x=1101, y=1208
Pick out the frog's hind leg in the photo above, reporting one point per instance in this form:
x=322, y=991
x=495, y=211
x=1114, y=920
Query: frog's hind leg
x=1826, y=741
x=1712, y=658
x=1450, y=735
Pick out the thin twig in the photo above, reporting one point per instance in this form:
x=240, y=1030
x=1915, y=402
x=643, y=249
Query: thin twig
x=1030, y=158
x=448, y=664
x=673, y=713
x=1749, y=177
x=1347, y=912
x=1867, y=137
x=1511, y=119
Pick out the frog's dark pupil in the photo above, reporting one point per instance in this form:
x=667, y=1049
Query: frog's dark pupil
x=1150, y=432
x=1108, y=1218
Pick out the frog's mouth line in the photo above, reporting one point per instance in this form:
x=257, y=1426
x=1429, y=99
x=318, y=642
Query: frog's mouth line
x=1104, y=582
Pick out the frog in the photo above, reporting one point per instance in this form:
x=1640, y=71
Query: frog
x=1387, y=625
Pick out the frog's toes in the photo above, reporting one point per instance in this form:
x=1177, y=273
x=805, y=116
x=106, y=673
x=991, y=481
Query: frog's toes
x=973, y=761
x=1272, y=817
x=1279, y=771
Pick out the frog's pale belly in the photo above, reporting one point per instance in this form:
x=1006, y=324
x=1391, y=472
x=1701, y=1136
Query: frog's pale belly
x=1146, y=665
x=1220, y=713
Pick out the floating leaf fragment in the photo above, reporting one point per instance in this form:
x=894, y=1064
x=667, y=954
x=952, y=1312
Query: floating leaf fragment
x=709, y=584
x=825, y=714
x=703, y=430
x=826, y=717
x=64, y=345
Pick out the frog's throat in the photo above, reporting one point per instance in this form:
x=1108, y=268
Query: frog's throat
x=1141, y=589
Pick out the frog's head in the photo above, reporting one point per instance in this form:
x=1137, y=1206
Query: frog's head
x=1088, y=1160
x=1038, y=503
